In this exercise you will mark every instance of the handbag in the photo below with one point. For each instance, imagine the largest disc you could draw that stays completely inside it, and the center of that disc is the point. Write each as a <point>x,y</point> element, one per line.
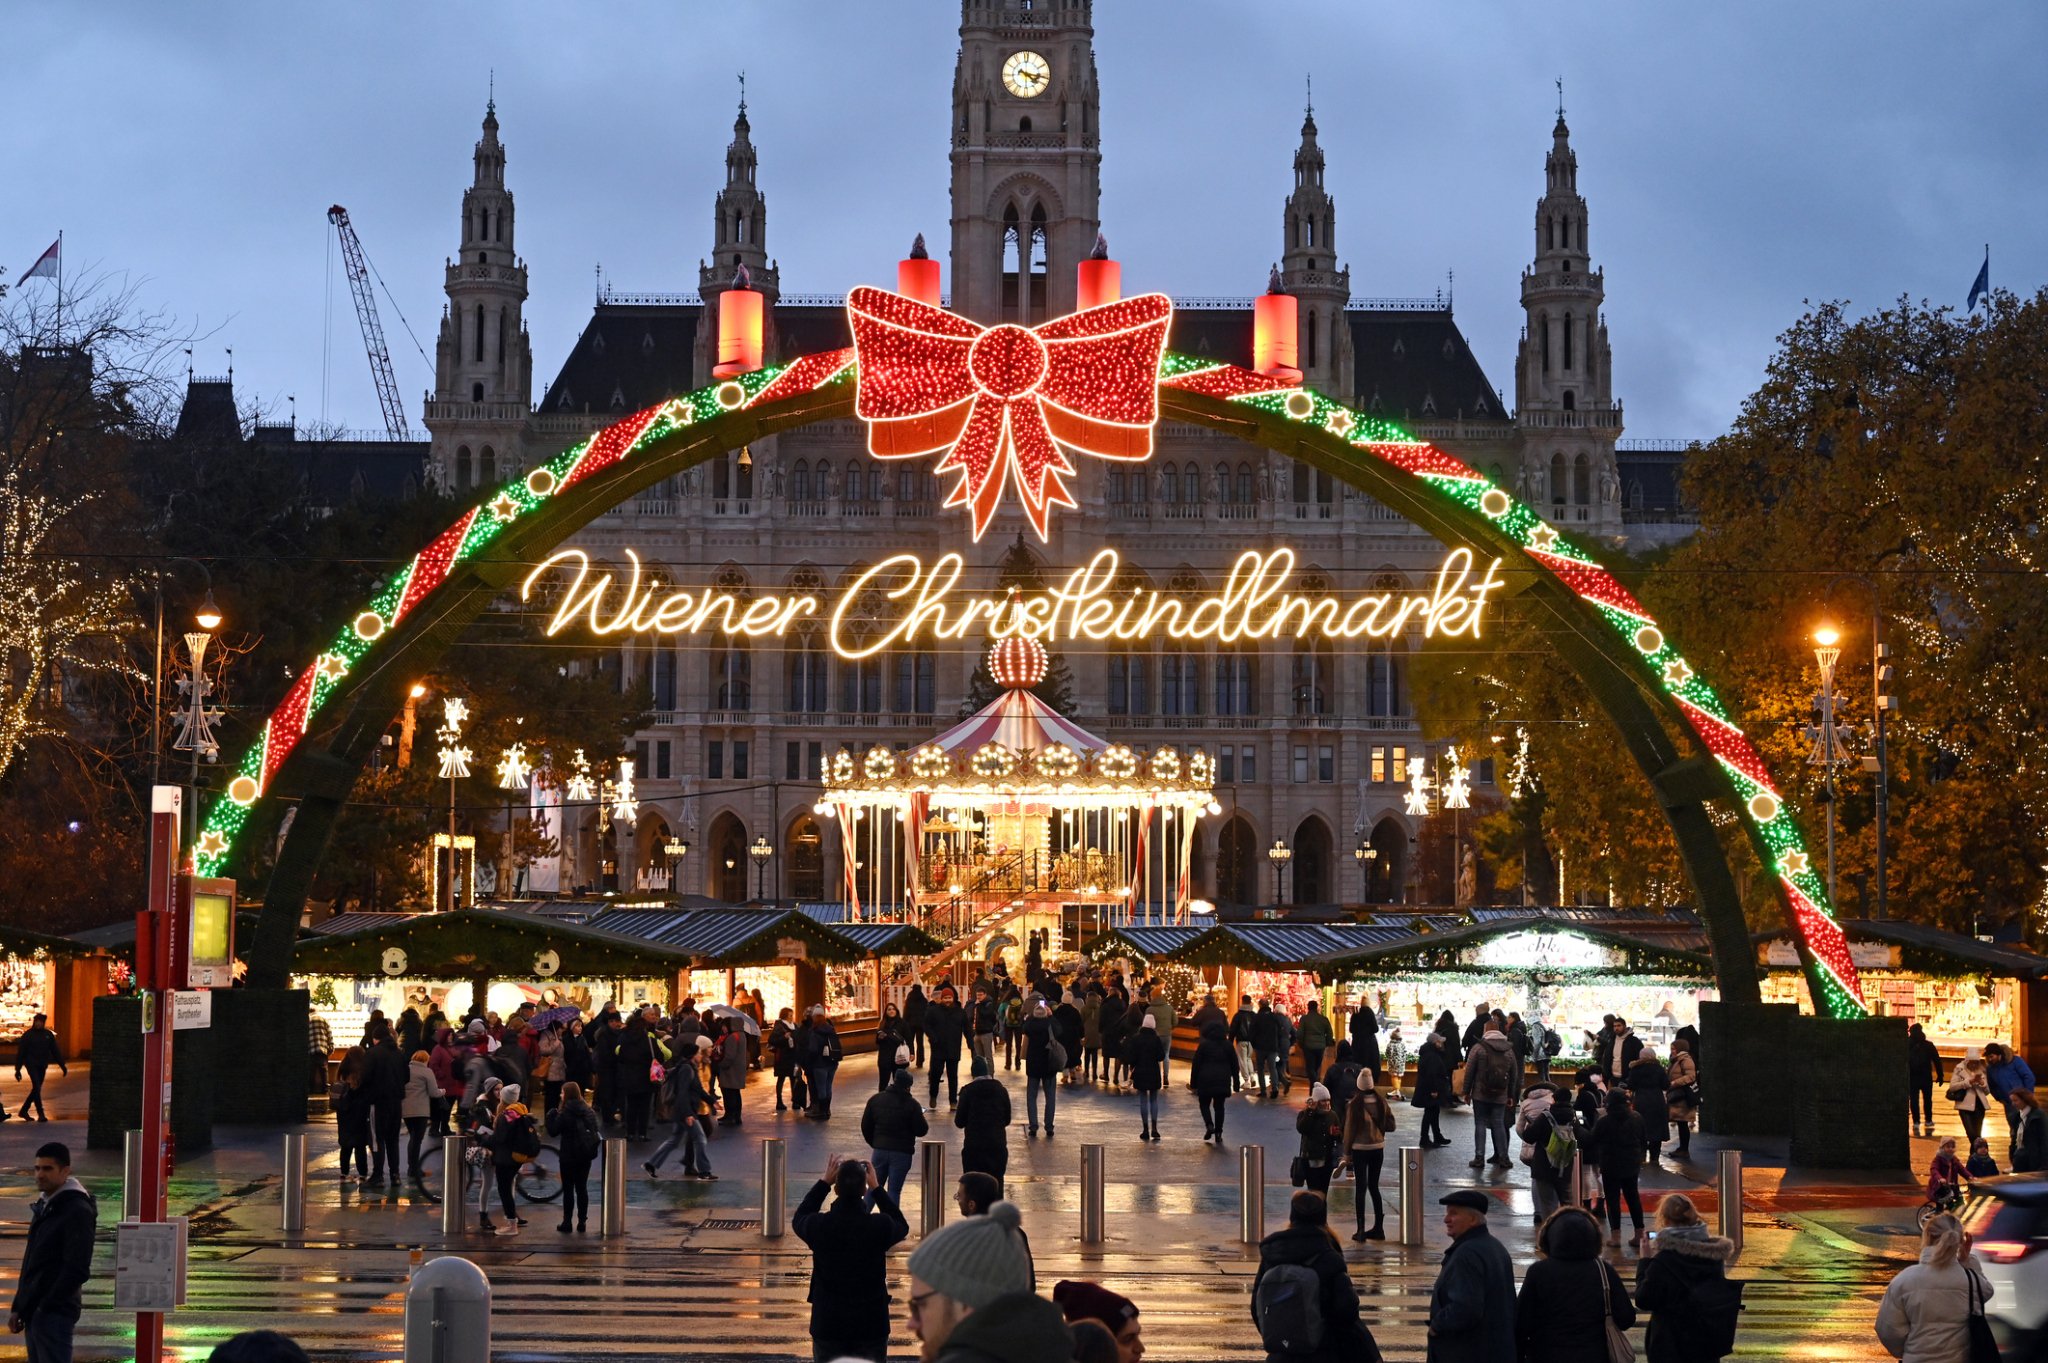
<point>1619,1348</point>
<point>1297,1172</point>
<point>1983,1344</point>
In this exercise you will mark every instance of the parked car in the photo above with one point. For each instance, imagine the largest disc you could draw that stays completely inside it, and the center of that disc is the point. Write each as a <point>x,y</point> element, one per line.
<point>2007,1219</point>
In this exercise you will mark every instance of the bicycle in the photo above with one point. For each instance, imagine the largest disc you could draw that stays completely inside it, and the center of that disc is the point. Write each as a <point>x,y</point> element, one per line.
<point>1948,1199</point>
<point>538,1180</point>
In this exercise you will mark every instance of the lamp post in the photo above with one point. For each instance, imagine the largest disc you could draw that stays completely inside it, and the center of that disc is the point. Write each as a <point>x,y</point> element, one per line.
<point>1366,854</point>
<point>195,723</point>
<point>454,767</point>
<point>515,773</point>
<point>761,851</point>
<point>208,618</point>
<point>675,849</point>
<point>1279,854</point>
<point>1829,752</point>
<point>1457,788</point>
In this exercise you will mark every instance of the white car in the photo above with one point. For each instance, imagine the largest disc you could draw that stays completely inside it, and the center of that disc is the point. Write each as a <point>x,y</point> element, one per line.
<point>2007,1220</point>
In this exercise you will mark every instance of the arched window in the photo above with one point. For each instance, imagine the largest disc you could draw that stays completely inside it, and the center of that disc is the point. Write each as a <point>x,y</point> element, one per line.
<point>1571,401</point>
<point>1558,491</point>
<point>914,685</point>
<point>504,331</point>
<point>822,485</point>
<point>721,478</point>
<point>1237,680</point>
<point>743,480</point>
<point>732,673</point>
<point>1247,487</point>
<point>1169,485</point>
<point>1383,669</point>
<point>1303,483</point>
<point>800,481</point>
<point>1130,682</point>
<point>1180,685</point>
<point>1191,483</point>
<point>806,692</point>
<point>1550,234</point>
<point>1315,678</point>
<point>1024,124</point>
<point>487,468</point>
<point>1582,481</point>
<point>1224,491</point>
<point>856,489</point>
<point>462,483</point>
<point>877,479</point>
<point>860,683</point>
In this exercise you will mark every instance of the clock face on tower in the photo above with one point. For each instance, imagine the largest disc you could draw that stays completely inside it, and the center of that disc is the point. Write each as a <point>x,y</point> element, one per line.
<point>1027,74</point>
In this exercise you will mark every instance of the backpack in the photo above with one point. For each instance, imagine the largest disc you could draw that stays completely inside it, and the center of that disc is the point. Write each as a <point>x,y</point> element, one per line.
<point>502,1067</point>
<point>1491,1085</point>
<point>584,1137</point>
<point>1560,1147</point>
<point>1288,1308</point>
<point>1552,1043</point>
<point>1716,1308</point>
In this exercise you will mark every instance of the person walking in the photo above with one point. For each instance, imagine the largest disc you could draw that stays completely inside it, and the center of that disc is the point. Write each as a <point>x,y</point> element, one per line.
<point>579,1136</point>
<point>634,1061</point>
<point>35,1050</point>
<point>821,1063</point>
<point>983,1116</point>
<point>1925,1314</point>
<point>850,1246</point>
<point>2006,1073</point>
<point>1682,1096</point>
<point>1069,1030</point>
<point>1570,1295</point>
<point>1368,1117</point>
<point>1302,1263</point>
<point>1923,1062</point>
<point>1266,1047</point>
<point>888,1041</point>
<point>1647,1085</point>
<point>891,1124</point>
<point>1552,1136</point>
<point>2029,1135</point>
<point>984,1024</point>
<point>1969,1088</point>
<point>1241,1040</point>
<point>689,1105</point>
<point>385,1074</point>
<point>1617,1145</point>
<point>945,1026</point>
<point>1683,1284</point>
<point>56,1261</point>
<point>729,1063</point>
<point>1109,1025</point>
<point>1212,1075</point>
<point>417,1108</point>
<point>1316,1038</point>
<point>914,1007</point>
<point>1493,1083</point>
<point>1472,1304</point>
<point>1091,1034</point>
<point>1365,1038</point>
<point>1041,1071</point>
<point>1432,1087</point>
<point>1314,1160</point>
<point>1148,1074</point>
<point>971,1297</point>
<point>349,1101</point>
<point>782,1059</point>
<point>1159,1008</point>
<point>1283,1050</point>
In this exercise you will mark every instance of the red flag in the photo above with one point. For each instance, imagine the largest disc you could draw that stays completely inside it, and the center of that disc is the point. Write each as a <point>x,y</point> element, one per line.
<point>47,263</point>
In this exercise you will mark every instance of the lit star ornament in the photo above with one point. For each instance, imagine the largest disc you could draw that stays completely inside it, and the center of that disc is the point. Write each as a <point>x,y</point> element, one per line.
<point>455,711</point>
<point>212,843</point>
<point>1006,403</point>
<point>1796,863</point>
<point>1418,786</point>
<point>332,666</point>
<point>504,507</point>
<point>1676,673</point>
<point>1543,537</point>
<point>455,762</point>
<point>515,769</point>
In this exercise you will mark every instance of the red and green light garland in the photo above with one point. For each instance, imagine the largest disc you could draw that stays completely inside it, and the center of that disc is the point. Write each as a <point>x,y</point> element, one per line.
<point>1763,806</point>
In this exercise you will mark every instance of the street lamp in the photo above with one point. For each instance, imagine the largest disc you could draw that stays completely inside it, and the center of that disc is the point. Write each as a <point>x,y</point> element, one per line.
<point>675,849</point>
<point>760,852</point>
<point>1829,752</point>
<point>1367,854</point>
<point>515,774</point>
<point>1279,854</point>
<point>454,767</point>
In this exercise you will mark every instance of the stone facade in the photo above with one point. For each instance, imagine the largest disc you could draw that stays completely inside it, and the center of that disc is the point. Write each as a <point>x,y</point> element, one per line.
<point>1310,743</point>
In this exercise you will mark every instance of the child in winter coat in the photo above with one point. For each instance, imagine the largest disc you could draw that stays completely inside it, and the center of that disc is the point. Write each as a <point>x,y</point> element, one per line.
<point>1981,1164</point>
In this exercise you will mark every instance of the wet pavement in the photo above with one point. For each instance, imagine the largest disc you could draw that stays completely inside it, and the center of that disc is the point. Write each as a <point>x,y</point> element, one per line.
<point>694,1279</point>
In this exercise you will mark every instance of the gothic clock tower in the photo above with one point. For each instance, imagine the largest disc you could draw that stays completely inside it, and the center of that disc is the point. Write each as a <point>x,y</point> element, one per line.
<point>1027,157</point>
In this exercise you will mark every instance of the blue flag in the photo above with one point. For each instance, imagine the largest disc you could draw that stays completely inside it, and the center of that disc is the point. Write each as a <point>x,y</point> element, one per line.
<point>1982,286</point>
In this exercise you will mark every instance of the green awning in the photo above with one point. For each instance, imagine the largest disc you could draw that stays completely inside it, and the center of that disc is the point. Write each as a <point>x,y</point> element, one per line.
<point>494,943</point>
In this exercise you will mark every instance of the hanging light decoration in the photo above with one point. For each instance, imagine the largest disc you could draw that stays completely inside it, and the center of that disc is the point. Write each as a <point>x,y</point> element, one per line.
<point>1458,785</point>
<point>625,804</point>
<point>455,758</point>
<point>580,786</point>
<point>515,768</point>
<point>1418,787</point>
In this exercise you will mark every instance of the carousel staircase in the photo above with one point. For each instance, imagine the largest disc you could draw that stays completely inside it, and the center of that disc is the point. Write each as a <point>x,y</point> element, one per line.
<point>992,898</point>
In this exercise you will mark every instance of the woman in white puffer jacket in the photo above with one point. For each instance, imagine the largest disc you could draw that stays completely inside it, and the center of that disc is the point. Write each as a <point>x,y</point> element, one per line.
<point>1926,1310</point>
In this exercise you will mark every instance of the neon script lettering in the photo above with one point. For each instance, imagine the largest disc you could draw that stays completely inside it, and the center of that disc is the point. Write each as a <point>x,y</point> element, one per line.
<point>927,604</point>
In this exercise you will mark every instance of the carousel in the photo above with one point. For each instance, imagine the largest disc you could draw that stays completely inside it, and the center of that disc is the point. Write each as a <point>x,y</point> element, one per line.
<point>1017,822</point>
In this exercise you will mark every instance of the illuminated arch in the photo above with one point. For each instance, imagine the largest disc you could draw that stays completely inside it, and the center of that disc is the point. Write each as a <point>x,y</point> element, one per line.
<point>328,724</point>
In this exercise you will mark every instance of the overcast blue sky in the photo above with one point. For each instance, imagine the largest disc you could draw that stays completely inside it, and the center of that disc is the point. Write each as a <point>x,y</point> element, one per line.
<point>1738,157</point>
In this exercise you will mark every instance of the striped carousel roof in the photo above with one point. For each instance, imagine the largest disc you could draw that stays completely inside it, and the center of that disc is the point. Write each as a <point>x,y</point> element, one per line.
<point>1021,722</point>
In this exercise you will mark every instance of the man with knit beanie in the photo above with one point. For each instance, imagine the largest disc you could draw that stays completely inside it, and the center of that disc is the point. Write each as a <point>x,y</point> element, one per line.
<point>971,1298</point>
<point>1080,1301</point>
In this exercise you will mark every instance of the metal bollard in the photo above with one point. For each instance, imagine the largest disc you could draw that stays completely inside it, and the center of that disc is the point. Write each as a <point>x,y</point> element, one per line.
<point>1730,1194</point>
<point>454,1211</point>
<point>1251,1194</point>
<point>931,1185</point>
<point>774,1187</point>
<point>611,1219</point>
<point>1091,1194</point>
<point>1411,1196</point>
<point>131,1176</point>
<point>448,1313</point>
<point>292,1214</point>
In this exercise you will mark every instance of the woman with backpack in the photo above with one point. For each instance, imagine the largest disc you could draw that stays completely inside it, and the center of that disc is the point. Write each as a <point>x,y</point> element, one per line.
<point>513,1142</point>
<point>1570,1295</point>
<point>1546,1125</point>
<point>1368,1117</point>
<point>1303,1300</point>
<point>1683,1284</point>
<point>574,1125</point>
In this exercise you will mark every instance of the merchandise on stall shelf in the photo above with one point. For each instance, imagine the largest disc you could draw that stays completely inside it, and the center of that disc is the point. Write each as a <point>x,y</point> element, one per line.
<point>24,992</point>
<point>1955,1011</point>
<point>347,1003</point>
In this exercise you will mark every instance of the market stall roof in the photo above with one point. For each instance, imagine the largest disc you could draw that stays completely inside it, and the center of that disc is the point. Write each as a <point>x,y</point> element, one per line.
<point>1922,948</point>
<point>119,937</point>
<point>1446,950</point>
<point>489,942</point>
<point>732,936</point>
<point>21,942</point>
<point>890,939</point>
<point>1147,942</point>
<point>1280,945</point>
<point>1680,928</point>
<point>341,924</point>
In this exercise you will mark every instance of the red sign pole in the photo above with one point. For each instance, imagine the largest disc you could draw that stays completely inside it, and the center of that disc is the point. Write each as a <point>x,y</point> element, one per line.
<point>155,940</point>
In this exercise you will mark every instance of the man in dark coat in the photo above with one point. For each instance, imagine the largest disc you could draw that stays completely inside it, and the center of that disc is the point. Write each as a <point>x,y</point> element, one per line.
<point>1306,1242</point>
<point>1241,1041</point>
<point>1109,1025</point>
<point>944,1024</point>
<point>1476,1028</point>
<point>915,1006</point>
<point>822,1054</point>
<point>57,1259</point>
<point>1472,1305</point>
<point>35,1052</point>
<point>1266,1046</point>
<point>983,1116</point>
<point>1212,1075</point>
<point>891,1124</point>
<point>850,1246</point>
<point>1365,1039</point>
<point>384,1081</point>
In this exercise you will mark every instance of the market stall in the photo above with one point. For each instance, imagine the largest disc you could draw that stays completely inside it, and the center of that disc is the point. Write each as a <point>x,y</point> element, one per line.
<point>893,949</point>
<point>787,955</point>
<point>51,975</point>
<point>457,960</point>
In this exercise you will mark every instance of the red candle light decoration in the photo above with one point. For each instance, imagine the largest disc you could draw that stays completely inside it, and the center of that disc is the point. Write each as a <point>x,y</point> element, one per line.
<point>1101,279</point>
<point>740,328</point>
<point>917,274</point>
<point>1276,333</point>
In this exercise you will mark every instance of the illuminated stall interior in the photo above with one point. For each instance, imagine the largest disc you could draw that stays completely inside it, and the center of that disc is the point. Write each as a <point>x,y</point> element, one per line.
<point>794,960</point>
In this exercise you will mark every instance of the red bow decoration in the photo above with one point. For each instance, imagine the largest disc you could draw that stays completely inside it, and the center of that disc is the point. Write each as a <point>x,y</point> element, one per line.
<point>1003,401</point>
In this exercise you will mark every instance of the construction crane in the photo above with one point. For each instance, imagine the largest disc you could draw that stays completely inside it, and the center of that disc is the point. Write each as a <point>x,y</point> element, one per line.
<point>358,270</point>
